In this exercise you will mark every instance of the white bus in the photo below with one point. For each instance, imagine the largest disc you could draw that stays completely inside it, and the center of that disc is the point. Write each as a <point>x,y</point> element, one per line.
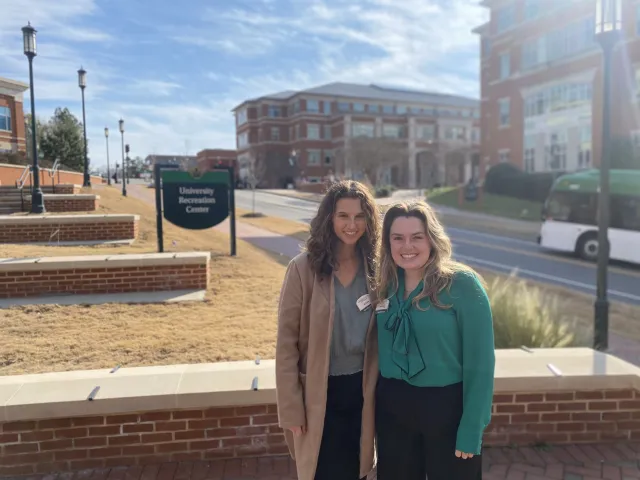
<point>570,215</point>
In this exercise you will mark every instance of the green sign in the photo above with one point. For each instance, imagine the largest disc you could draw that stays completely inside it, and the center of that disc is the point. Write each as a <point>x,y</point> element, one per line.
<point>195,202</point>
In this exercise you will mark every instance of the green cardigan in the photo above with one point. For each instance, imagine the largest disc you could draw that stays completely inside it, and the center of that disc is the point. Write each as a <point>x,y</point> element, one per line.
<point>440,347</point>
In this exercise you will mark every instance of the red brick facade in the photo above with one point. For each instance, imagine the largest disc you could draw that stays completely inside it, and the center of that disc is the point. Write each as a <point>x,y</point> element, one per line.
<point>59,231</point>
<point>74,279</point>
<point>500,142</point>
<point>10,174</point>
<point>12,140</point>
<point>56,203</point>
<point>141,438</point>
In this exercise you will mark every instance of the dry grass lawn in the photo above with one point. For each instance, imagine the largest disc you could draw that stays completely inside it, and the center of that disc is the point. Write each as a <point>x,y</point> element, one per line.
<point>237,321</point>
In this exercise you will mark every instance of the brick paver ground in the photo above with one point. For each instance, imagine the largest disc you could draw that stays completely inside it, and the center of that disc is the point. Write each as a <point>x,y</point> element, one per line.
<point>619,461</point>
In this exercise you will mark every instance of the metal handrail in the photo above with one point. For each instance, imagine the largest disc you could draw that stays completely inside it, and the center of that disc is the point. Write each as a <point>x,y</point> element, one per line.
<point>23,177</point>
<point>52,173</point>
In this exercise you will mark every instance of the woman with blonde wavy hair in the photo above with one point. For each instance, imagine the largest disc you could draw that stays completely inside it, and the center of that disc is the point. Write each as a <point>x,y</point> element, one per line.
<point>436,353</point>
<point>326,351</point>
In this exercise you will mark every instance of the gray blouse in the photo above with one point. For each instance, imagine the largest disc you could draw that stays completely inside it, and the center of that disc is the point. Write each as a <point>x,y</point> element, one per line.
<point>350,327</point>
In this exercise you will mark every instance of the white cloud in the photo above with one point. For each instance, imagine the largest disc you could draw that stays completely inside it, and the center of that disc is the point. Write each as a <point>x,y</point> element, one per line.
<point>156,87</point>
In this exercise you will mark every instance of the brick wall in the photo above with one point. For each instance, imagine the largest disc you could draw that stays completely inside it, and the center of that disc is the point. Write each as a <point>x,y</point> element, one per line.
<point>50,445</point>
<point>67,189</point>
<point>64,204</point>
<point>59,231</point>
<point>9,174</point>
<point>565,417</point>
<point>140,438</point>
<point>73,279</point>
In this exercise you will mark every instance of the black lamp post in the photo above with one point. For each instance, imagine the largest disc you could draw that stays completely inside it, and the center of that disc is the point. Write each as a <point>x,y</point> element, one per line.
<point>608,33</point>
<point>29,41</point>
<point>82,83</point>
<point>106,137</point>
<point>124,167</point>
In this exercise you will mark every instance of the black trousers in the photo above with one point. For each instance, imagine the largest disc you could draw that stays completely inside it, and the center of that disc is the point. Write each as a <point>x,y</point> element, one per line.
<point>340,448</point>
<point>416,433</point>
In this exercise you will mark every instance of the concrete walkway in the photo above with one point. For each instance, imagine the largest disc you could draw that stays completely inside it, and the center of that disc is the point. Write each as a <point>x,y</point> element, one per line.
<point>584,462</point>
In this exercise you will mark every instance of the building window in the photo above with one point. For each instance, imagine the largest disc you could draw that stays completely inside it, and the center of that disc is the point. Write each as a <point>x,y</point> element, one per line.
<point>504,156</point>
<point>638,19</point>
<point>584,149</point>
<point>5,119</point>
<point>505,66</point>
<point>556,151</point>
<point>328,157</point>
<point>475,135</point>
<point>637,83</point>
<point>455,133</point>
<point>296,107</point>
<point>505,111</point>
<point>530,153</point>
<point>275,133</point>
<point>374,108</point>
<point>275,111</point>
<point>505,18</point>
<point>393,131</point>
<point>241,116</point>
<point>343,107</point>
<point>401,109</point>
<point>296,132</point>
<point>531,9</point>
<point>243,139</point>
<point>327,133</point>
<point>427,132</point>
<point>313,131</point>
<point>387,109</point>
<point>486,47</point>
<point>314,157</point>
<point>313,106</point>
<point>326,107</point>
<point>558,97</point>
<point>363,130</point>
<point>358,107</point>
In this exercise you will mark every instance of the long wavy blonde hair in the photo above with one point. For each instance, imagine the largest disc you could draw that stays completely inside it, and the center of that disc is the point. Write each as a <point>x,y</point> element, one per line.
<point>439,269</point>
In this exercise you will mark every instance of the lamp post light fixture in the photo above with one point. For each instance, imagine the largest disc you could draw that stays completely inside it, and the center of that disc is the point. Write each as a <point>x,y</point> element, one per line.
<point>106,137</point>
<point>29,42</point>
<point>124,167</point>
<point>608,34</point>
<point>82,83</point>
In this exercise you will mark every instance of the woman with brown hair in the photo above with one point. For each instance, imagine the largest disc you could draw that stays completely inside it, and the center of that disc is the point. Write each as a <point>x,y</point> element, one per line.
<point>436,353</point>
<point>326,352</point>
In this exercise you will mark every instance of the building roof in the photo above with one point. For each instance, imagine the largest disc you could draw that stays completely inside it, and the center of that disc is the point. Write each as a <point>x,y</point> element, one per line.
<point>375,92</point>
<point>13,85</point>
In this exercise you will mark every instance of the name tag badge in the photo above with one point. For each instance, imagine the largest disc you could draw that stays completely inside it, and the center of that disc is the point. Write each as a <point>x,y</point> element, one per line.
<point>363,302</point>
<point>383,306</point>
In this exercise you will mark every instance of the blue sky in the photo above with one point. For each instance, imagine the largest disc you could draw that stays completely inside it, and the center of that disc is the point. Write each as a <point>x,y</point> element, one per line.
<point>173,70</point>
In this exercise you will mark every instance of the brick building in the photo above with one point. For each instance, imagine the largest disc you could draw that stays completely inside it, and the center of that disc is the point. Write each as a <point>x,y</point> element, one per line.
<point>12,129</point>
<point>211,157</point>
<point>186,161</point>
<point>439,133</point>
<point>541,84</point>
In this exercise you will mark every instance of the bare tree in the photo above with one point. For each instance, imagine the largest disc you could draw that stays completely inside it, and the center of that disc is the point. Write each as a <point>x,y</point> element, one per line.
<point>255,174</point>
<point>370,156</point>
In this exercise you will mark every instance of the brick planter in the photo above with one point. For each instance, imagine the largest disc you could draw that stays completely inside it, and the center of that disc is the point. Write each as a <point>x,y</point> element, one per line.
<point>103,274</point>
<point>152,415</point>
<point>60,203</point>
<point>68,228</point>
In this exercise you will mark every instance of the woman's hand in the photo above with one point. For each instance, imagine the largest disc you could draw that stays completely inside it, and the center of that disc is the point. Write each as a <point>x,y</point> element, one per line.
<point>462,455</point>
<point>297,431</point>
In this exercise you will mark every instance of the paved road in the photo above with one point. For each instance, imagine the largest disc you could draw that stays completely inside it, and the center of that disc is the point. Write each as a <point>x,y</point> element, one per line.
<point>487,251</point>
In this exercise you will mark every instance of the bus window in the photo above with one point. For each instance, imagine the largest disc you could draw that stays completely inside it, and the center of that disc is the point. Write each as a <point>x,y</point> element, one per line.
<point>572,207</point>
<point>625,213</point>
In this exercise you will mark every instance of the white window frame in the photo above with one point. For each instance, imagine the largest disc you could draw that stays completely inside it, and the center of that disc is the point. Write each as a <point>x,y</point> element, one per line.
<point>504,119</point>
<point>275,134</point>
<point>363,129</point>
<point>5,112</point>
<point>313,131</point>
<point>314,157</point>
<point>505,67</point>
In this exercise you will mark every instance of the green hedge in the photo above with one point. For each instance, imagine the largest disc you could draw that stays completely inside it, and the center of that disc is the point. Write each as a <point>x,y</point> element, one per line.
<point>507,179</point>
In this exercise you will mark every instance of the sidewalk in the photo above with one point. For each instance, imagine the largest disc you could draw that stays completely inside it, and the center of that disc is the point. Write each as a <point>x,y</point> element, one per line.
<point>584,462</point>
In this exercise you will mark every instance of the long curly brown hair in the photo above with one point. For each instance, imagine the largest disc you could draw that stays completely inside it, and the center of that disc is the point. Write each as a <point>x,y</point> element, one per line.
<point>322,243</point>
<point>440,268</point>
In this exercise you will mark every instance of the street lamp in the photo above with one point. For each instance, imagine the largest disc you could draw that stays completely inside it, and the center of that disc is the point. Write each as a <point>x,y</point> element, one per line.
<point>124,167</point>
<point>29,41</point>
<point>106,137</point>
<point>82,83</point>
<point>608,34</point>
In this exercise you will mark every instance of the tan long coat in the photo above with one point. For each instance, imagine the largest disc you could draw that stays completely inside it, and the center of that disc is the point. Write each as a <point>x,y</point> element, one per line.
<point>305,324</point>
